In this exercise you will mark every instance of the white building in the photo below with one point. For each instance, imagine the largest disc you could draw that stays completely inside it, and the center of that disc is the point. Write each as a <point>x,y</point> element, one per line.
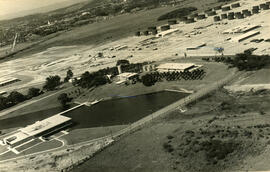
<point>40,128</point>
<point>177,67</point>
<point>126,76</point>
<point>167,32</point>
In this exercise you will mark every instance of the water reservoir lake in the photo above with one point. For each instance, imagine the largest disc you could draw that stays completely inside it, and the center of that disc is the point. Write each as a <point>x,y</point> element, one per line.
<point>119,111</point>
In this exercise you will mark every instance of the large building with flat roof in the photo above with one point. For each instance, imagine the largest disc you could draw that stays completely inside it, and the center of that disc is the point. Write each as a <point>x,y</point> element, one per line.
<point>176,67</point>
<point>40,128</point>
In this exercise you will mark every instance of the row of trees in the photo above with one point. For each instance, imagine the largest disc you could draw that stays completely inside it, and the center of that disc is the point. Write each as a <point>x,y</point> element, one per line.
<point>151,78</point>
<point>244,61</point>
<point>15,97</point>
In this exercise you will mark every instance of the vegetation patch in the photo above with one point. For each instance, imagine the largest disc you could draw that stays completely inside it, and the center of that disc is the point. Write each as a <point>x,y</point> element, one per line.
<point>181,12</point>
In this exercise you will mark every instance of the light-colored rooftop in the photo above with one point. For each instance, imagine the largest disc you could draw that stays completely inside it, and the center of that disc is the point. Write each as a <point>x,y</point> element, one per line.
<point>14,138</point>
<point>44,125</point>
<point>166,32</point>
<point>6,80</point>
<point>245,35</point>
<point>127,75</point>
<point>241,29</point>
<point>175,66</point>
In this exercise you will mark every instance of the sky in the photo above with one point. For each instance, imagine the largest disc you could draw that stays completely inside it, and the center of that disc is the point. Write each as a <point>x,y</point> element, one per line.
<point>11,7</point>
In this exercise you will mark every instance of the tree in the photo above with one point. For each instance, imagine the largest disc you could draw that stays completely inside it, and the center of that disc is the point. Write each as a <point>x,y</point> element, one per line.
<point>33,92</point>
<point>148,80</point>
<point>16,97</point>
<point>4,103</point>
<point>69,75</point>
<point>64,99</point>
<point>52,82</point>
<point>122,62</point>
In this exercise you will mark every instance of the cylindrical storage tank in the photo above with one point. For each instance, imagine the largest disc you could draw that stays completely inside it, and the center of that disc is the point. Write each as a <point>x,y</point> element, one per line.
<point>248,13</point>
<point>138,33</point>
<point>165,27</point>
<point>245,11</point>
<point>255,11</point>
<point>227,8</point>
<point>256,7</point>
<point>240,16</point>
<point>212,13</point>
<point>261,5</point>
<point>224,16</point>
<point>172,22</point>
<point>235,5</point>
<point>216,18</point>
<point>146,33</point>
<point>231,16</point>
<point>217,7</point>
<point>265,7</point>
<point>201,16</point>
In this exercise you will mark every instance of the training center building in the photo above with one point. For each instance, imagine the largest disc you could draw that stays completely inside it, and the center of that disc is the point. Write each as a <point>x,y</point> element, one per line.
<point>177,67</point>
<point>38,129</point>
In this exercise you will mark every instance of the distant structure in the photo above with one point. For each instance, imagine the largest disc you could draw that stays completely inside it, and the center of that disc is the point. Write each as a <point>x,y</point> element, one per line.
<point>126,77</point>
<point>167,32</point>
<point>177,67</point>
<point>245,36</point>
<point>241,29</point>
<point>38,129</point>
<point>6,81</point>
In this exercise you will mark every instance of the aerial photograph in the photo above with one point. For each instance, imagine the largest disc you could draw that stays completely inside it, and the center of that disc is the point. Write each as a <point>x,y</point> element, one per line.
<point>134,85</point>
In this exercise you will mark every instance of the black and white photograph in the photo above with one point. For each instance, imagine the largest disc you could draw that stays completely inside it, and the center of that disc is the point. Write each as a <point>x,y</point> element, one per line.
<point>134,85</point>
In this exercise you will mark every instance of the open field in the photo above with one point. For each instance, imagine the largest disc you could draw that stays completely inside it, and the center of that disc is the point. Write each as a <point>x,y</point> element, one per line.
<point>207,120</point>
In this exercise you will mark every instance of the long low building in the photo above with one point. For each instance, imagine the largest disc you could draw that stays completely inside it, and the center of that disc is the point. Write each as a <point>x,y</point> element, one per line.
<point>40,128</point>
<point>167,32</point>
<point>6,81</point>
<point>245,36</point>
<point>241,29</point>
<point>176,67</point>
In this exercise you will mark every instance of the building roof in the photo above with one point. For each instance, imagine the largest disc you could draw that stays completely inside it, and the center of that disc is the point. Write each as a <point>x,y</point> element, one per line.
<point>14,138</point>
<point>245,35</point>
<point>175,66</point>
<point>127,74</point>
<point>163,33</point>
<point>6,80</point>
<point>241,29</point>
<point>41,126</point>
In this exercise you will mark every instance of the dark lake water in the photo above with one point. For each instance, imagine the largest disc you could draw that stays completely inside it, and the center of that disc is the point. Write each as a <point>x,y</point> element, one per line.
<point>106,113</point>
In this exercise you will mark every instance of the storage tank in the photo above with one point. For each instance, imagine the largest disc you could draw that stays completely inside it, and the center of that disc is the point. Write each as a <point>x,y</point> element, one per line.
<point>255,11</point>
<point>154,32</point>
<point>240,16</point>
<point>216,18</point>
<point>227,8</point>
<point>217,7</point>
<point>248,13</point>
<point>265,7</point>
<point>231,16</point>
<point>224,16</point>
<point>201,16</point>
<point>256,7</point>
<point>236,5</point>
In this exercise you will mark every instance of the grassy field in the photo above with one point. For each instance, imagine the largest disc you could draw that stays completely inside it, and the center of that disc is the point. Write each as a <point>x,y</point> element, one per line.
<point>186,142</point>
